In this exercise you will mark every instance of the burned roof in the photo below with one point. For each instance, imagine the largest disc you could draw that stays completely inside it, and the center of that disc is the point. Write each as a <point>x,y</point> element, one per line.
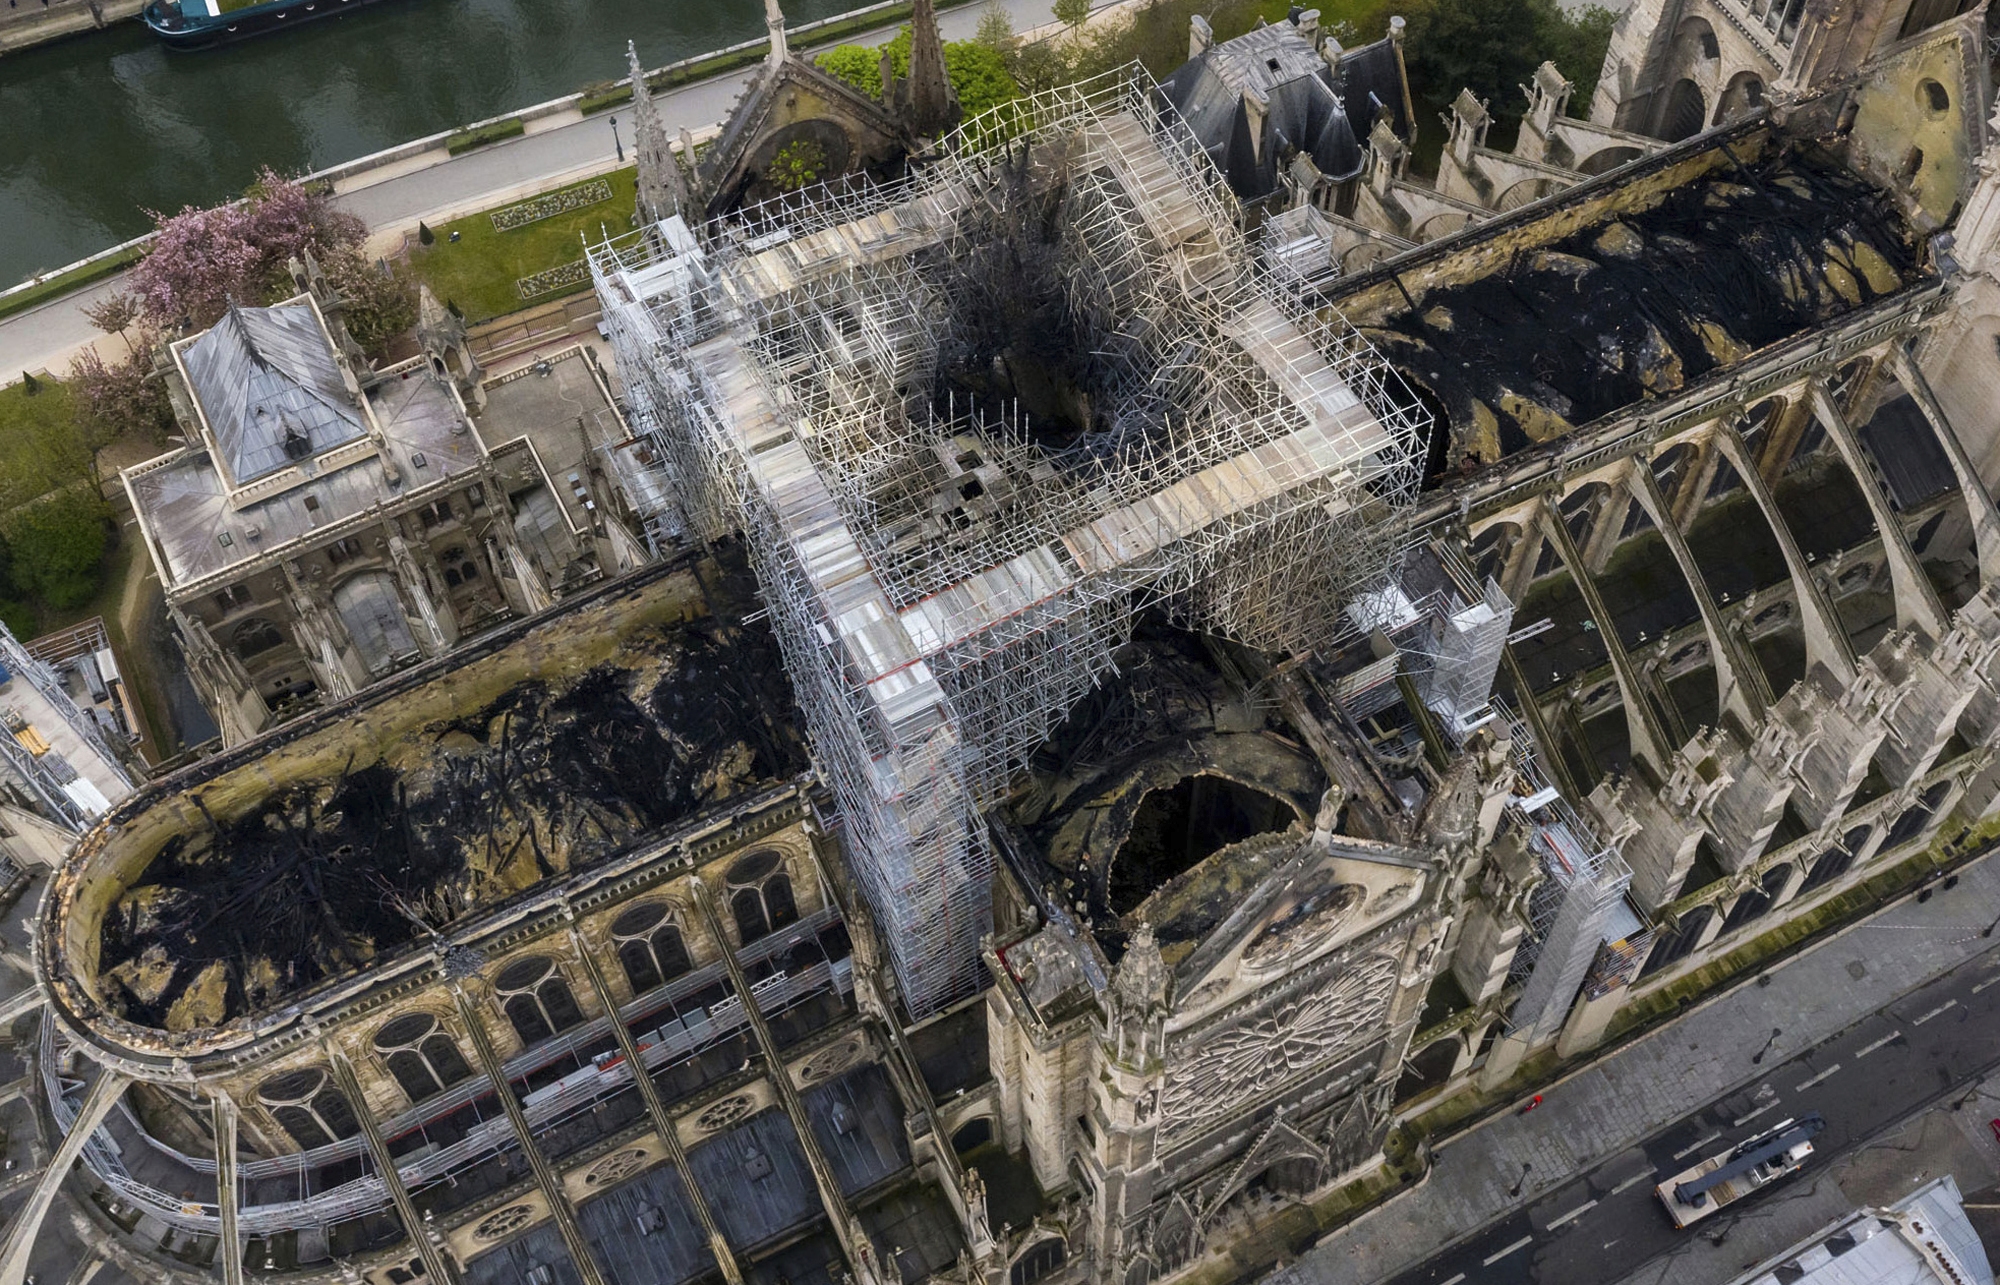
<point>1164,767</point>
<point>270,389</point>
<point>1527,329</point>
<point>579,739</point>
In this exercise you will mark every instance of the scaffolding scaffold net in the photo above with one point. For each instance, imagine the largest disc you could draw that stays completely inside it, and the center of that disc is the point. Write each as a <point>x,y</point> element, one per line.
<point>968,423</point>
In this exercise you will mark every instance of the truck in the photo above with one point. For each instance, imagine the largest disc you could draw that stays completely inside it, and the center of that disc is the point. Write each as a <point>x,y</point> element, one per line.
<point>1726,1177</point>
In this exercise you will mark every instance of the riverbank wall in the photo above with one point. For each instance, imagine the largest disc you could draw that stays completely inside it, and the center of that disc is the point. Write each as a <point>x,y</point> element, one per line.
<point>25,25</point>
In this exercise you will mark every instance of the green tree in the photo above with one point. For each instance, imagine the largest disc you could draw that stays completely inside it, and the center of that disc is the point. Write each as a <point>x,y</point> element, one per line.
<point>978,72</point>
<point>996,28</point>
<point>57,546</point>
<point>1072,13</point>
<point>979,76</point>
<point>859,65</point>
<point>19,618</point>
<point>1494,46</point>
<point>1576,45</point>
<point>41,448</point>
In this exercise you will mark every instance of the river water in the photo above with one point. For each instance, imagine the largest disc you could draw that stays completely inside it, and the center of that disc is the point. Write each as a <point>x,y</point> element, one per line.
<point>96,130</point>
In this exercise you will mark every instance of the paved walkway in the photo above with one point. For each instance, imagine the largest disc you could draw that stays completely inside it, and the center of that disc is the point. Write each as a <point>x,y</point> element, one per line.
<point>49,337</point>
<point>1653,1082</point>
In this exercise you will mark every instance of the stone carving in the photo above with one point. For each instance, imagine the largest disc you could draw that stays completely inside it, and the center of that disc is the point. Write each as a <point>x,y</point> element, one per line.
<point>830,1061</point>
<point>1217,1071</point>
<point>615,1168</point>
<point>502,1223</point>
<point>1304,920</point>
<point>722,1114</point>
<point>979,1230</point>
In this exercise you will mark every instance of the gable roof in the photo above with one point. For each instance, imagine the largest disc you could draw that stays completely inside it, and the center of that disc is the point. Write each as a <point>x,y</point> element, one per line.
<point>745,126</point>
<point>1306,110</point>
<point>268,385</point>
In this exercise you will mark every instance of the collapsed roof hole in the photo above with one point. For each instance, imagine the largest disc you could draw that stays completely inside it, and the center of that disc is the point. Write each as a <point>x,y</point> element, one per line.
<point>1437,446</point>
<point>1176,828</point>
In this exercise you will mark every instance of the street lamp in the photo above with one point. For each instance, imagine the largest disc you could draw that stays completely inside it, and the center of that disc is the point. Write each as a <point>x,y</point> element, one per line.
<point>616,141</point>
<point>1515,1190</point>
<point>1759,1055</point>
<point>1987,931</point>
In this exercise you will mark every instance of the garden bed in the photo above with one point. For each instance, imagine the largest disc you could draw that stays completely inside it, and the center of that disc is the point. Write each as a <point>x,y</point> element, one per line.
<point>482,273</point>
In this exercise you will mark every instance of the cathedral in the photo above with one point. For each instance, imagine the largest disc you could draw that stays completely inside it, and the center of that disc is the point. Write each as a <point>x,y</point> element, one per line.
<point>1138,658</point>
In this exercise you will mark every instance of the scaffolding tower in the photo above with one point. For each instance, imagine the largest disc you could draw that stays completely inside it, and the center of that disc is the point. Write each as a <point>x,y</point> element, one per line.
<point>944,582</point>
<point>1438,626</point>
<point>1578,908</point>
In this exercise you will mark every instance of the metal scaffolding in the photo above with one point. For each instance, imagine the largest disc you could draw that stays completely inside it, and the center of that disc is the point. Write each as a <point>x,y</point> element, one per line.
<point>945,582</point>
<point>1445,633</point>
<point>1574,911</point>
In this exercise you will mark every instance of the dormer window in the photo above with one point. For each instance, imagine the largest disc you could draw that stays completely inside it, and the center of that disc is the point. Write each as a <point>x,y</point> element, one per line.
<point>224,539</point>
<point>297,445</point>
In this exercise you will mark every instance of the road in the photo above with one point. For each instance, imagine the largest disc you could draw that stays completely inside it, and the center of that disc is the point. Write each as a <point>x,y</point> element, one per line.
<point>49,337</point>
<point>1931,1043</point>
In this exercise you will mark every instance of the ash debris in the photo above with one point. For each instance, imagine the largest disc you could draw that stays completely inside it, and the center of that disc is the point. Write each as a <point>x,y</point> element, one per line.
<point>1163,766</point>
<point>1642,305</point>
<point>554,774</point>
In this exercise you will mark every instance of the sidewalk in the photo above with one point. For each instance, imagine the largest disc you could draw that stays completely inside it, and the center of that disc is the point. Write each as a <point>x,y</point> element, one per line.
<point>1654,1081</point>
<point>27,23</point>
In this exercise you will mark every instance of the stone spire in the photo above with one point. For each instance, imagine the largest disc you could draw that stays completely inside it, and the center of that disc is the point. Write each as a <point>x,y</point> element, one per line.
<point>930,104</point>
<point>662,191</point>
<point>774,18</point>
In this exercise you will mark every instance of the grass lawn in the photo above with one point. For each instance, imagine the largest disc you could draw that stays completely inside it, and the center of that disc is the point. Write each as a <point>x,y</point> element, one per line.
<point>479,271</point>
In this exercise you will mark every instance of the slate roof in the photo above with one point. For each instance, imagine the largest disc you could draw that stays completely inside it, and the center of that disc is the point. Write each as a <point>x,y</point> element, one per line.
<point>1370,82</point>
<point>1313,110</point>
<point>267,383</point>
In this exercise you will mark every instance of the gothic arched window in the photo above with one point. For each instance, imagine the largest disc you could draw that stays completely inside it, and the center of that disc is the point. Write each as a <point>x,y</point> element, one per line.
<point>307,1107</point>
<point>760,896</point>
<point>536,999</point>
<point>649,946</point>
<point>420,1055</point>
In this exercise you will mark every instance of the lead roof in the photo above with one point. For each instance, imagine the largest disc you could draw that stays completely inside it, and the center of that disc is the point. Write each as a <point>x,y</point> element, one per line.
<point>859,1125</point>
<point>270,389</point>
<point>760,1175</point>
<point>645,1232</point>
